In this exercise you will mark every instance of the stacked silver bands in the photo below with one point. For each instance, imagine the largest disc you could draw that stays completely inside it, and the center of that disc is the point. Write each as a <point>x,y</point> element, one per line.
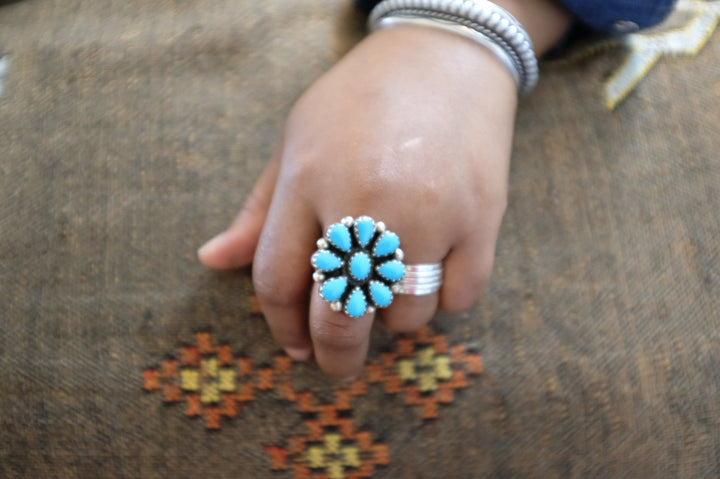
<point>420,279</point>
<point>480,20</point>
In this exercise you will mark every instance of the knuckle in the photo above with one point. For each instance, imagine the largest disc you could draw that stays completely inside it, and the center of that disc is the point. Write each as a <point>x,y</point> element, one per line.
<point>298,169</point>
<point>490,195</point>
<point>494,201</point>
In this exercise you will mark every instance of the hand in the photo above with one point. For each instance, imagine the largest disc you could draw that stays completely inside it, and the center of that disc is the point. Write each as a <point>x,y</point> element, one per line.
<point>414,128</point>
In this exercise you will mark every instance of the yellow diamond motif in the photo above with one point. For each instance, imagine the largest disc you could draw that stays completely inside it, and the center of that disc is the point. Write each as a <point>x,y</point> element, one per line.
<point>332,456</point>
<point>428,382</point>
<point>209,367</point>
<point>316,456</point>
<point>442,367</point>
<point>352,456</point>
<point>425,357</point>
<point>332,443</point>
<point>209,393</point>
<point>227,379</point>
<point>406,369</point>
<point>190,379</point>
<point>426,367</point>
<point>335,470</point>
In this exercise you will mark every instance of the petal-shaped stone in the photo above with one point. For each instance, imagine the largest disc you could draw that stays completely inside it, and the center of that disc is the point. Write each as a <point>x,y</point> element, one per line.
<point>334,288</point>
<point>360,266</point>
<point>364,230</point>
<point>339,235</point>
<point>387,244</point>
<point>356,304</point>
<point>326,261</point>
<point>392,270</point>
<point>380,294</point>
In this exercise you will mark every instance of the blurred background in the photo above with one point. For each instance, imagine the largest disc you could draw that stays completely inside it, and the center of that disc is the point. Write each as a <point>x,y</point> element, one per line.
<point>131,131</point>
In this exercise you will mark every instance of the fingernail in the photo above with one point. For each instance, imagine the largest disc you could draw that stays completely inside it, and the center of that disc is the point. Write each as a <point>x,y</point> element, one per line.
<point>210,246</point>
<point>299,354</point>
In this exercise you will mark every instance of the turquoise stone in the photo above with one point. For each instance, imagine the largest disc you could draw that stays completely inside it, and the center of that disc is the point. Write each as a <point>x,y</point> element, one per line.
<point>387,244</point>
<point>356,304</point>
<point>393,270</point>
<point>339,235</point>
<point>380,294</point>
<point>334,288</point>
<point>326,261</point>
<point>360,266</point>
<point>365,230</point>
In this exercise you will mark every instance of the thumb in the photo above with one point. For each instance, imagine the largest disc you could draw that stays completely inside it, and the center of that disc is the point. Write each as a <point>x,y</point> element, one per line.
<point>235,247</point>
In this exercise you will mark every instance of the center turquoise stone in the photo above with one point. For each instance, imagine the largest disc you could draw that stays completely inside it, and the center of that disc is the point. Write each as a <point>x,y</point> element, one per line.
<point>360,266</point>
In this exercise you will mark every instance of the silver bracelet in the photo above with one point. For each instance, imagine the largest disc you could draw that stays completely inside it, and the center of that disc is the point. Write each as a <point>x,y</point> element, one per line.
<point>480,20</point>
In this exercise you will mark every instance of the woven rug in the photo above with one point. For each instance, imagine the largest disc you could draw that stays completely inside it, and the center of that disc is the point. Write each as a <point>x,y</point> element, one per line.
<point>131,131</point>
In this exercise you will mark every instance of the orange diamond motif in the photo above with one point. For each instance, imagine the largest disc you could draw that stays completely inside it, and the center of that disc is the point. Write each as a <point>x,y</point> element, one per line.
<point>216,384</point>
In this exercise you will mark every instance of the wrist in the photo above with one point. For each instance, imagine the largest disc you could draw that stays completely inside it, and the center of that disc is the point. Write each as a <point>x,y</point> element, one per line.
<point>546,21</point>
<point>445,59</point>
<point>485,23</point>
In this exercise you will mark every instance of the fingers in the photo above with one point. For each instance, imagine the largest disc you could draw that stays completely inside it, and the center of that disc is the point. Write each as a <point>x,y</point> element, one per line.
<point>467,268</point>
<point>408,312</point>
<point>282,273</point>
<point>467,271</point>
<point>340,342</point>
<point>236,246</point>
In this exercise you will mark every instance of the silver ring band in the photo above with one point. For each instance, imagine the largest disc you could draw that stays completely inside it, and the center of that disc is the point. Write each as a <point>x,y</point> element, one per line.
<point>420,279</point>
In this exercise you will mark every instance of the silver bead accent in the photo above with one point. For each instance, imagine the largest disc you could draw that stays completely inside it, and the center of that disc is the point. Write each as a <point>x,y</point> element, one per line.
<point>370,309</point>
<point>322,243</point>
<point>347,221</point>
<point>318,276</point>
<point>336,306</point>
<point>399,254</point>
<point>380,227</point>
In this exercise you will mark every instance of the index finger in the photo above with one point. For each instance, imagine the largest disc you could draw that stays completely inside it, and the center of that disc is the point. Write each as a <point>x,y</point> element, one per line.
<point>282,271</point>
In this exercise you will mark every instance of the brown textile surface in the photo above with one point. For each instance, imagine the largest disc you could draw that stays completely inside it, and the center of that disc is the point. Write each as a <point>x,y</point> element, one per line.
<point>131,131</point>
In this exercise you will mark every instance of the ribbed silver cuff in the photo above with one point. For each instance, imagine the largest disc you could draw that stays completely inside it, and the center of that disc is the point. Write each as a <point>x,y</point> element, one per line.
<point>480,20</point>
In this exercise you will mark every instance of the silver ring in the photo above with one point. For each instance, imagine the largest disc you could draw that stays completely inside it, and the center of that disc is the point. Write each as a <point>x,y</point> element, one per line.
<point>420,279</point>
<point>359,267</point>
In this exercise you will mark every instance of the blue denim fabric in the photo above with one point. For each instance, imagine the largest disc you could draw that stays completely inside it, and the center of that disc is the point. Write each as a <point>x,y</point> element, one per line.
<point>614,15</point>
<point>602,15</point>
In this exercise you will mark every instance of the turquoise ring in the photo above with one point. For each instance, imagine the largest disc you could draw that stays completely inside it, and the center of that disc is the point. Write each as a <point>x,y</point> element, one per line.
<point>359,267</point>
